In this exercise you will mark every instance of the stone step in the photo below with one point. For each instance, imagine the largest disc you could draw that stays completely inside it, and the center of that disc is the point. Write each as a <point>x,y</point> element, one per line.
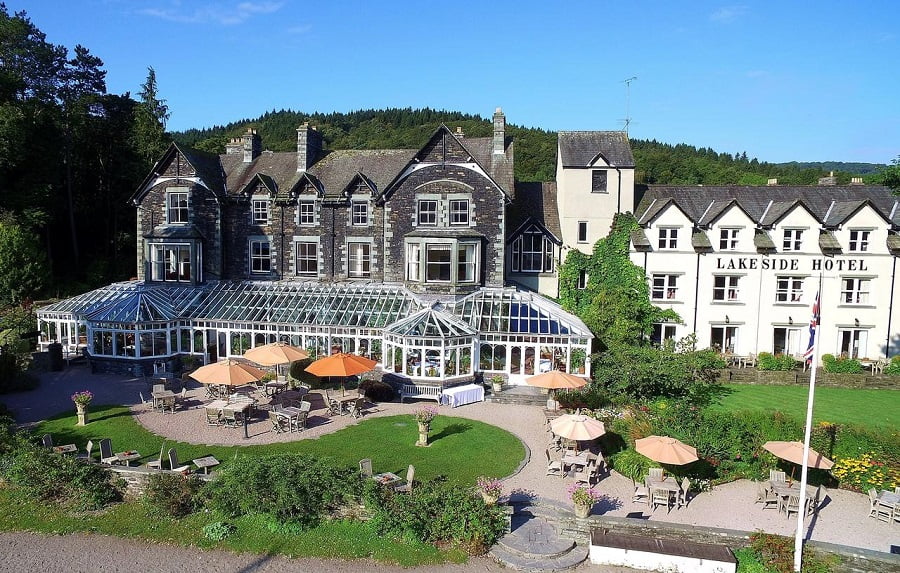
<point>564,562</point>
<point>534,538</point>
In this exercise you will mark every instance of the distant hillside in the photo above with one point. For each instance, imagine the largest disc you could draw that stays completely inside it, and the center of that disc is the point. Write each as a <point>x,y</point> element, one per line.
<point>660,163</point>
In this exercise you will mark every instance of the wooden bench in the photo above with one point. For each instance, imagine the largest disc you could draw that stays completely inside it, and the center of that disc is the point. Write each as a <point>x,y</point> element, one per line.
<point>420,391</point>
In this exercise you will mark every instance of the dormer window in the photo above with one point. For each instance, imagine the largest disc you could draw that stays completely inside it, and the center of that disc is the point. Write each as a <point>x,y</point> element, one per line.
<point>359,216</point>
<point>859,241</point>
<point>728,239</point>
<point>459,211</point>
<point>428,212</point>
<point>177,207</point>
<point>668,238</point>
<point>260,211</point>
<point>307,212</point>
<point>793,239</point>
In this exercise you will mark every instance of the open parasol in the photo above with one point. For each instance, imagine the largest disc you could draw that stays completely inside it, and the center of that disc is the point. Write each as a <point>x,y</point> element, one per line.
<point>577,427</point>
<point>666,450</point>
<point>555,380</point>
<point>793,452</point>
<point>342,364</point>
<point>275,353</point>
<point>227,372</point>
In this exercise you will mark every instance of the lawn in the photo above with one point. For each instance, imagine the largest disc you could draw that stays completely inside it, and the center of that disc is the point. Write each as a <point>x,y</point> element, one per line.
<point>867,408</point>
<point>460,449</point>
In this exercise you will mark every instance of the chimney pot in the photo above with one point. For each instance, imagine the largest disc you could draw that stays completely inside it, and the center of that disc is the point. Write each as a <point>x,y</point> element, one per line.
<point>772,181</point>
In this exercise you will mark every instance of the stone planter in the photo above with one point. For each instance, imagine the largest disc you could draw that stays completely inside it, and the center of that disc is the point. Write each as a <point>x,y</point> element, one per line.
<point>423,434</point>
<point>582,511</point>
<point>497,386</point>
<point>82,412</point>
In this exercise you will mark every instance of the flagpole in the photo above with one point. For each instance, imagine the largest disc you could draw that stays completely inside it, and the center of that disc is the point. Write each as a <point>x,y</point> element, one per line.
<point>801,513</point>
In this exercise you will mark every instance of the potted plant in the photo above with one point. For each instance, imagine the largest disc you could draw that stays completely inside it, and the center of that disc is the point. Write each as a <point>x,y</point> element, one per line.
<point>490,489</point>
<point>497,383</point>
<point>423,417</point>
<point>82,400</point>
<point>583,498</point>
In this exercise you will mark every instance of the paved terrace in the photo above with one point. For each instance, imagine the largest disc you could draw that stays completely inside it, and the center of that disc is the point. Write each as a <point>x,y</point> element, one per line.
<point>843,517</point>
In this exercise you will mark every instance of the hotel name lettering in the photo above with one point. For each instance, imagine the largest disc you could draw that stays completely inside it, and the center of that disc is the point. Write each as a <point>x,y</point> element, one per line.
<point>783,264</point>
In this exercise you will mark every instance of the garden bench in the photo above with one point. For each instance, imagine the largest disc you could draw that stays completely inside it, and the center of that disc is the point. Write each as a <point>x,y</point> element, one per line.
<point>420,391</point>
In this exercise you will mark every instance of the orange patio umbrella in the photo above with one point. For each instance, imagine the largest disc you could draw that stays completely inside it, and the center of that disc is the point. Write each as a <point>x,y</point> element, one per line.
<point>342,364</point>
<point>793,452</point>
<point>666,450</point>
<point>227,372</point>
<point>556,379</point>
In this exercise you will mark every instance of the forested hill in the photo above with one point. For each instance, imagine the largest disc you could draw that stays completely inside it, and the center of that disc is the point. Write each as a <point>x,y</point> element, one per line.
<point>535,148</point>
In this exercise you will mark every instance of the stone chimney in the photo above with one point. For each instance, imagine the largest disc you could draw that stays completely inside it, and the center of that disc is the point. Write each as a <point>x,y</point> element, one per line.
<point>856,181</point>
<point>459,133</point>
<point>830,180</point>
<point>234,146</point>
<point>309,146</point>
<point>772,182</point>
<point>251,145</point>
<point>499,145</point>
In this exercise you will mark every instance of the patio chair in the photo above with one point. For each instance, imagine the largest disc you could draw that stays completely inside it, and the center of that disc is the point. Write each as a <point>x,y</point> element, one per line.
<point>157,464</point>
<point>298,422</point>
<point>407,487</point>
<point>173,462</point>
<point>87,452</point>
<point>812,505</point>
<point>305,406</point>
<point>659,496</point>
<point>766,496</point>
<point>791,505</point>
<point>750,361</point>
<point>897,490</point>
<point>143,400</point>
<point>159,387</point>
<point>878,510</point>
<point>775,475</point>
<point>213,417</point>
<point>181,398</point>
<point>357,406</point>
<point>683,492</point>
<point>588,475</point>
<point>365,467</point>
<point>656,474</point>
<point>106,454</point>
<point>47,440</point>
<point>554,467</point>
<point>280,424</point>
<point>231,418</point>
<point>641,494</point>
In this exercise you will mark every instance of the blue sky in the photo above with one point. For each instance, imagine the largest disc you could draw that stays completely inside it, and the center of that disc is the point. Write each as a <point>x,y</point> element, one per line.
<point>783,81</point>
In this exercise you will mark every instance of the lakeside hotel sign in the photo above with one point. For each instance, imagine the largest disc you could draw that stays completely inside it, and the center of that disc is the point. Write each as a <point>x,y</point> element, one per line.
<point>793,264</point>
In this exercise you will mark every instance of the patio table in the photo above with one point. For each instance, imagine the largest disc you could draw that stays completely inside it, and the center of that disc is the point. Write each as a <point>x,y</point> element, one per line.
<point>205,463</point>
<point>291,413</point>
<point>386,478</point>
<point>572,459</point>
<point>275,387</point>
<point>886,497</point>
<point>163,399</point>
<point>128,456</point>
<point>460,395</point>
<point>669,484</point>
<point>66,449</point>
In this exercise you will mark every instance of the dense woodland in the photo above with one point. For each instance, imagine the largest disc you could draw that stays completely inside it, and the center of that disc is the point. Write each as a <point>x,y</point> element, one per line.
<point>72,154</point>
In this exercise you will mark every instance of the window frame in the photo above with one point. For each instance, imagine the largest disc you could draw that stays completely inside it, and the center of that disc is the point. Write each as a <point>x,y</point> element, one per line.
<point>857,243</point>
<point>459,214</point>
<point>728,333</point>
<point>791,293</point>
<point>160,269</point>
<point>729,290</point>
<point>600,181</point>
<point>664,286</point>
<point>792,240</point>
<point>304,259</point>
<point>857,341</point>
<point>259,257</point>
<point>361,261</point>
<point>359,213</point>
<point>728,238</point>
<point>306,205</point>
<point>667,238</point>
<point>858,288</point>
<point>423,214</point>
<point>255,219</point>
<point>582,232</point>
<point>183,210</point>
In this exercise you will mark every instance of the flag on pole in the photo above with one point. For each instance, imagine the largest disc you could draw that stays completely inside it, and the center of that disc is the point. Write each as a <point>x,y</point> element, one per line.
<point>813,323</point>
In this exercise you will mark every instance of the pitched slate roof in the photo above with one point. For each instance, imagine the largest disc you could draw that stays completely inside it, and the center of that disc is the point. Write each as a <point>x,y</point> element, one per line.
<point>581,148</point>
<point>828,243</point>
<point>767,204</point>
<point>533,202</point>
<point>700,241</point>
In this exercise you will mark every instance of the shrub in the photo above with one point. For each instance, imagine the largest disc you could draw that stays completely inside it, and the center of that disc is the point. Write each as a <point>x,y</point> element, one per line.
<point>592,397</point>
<point>437,512</point>
<point>377,391</point>
<point>173,495</point>
<point>777,553</point>
<point>291,487</point>
<point>893,368</point>
<point>776,362</point>
<point>70,482</point>
<point>631,464</point>
<point>866,471</point>
<point>298,372</point>
<point>835,365</point>
<point>218,530</point>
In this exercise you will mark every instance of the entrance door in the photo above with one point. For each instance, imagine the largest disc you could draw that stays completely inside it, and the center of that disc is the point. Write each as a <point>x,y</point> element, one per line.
<point>515,360</point>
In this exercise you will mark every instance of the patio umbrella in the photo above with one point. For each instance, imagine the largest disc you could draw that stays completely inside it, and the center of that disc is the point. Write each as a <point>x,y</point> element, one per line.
<point>555,379</point>
<point>227,372</point>
<point>342,364</point>
<point>275,354</point>
<point>577,427</point>
<point>793,452</point>
<point>666,450</point>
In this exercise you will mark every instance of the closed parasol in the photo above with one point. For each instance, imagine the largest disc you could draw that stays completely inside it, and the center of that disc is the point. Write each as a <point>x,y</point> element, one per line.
<point>666,450</point>
<point>793,452</point>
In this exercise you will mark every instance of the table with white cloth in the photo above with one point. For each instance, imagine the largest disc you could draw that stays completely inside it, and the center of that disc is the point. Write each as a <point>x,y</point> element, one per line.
<point>459,395</point>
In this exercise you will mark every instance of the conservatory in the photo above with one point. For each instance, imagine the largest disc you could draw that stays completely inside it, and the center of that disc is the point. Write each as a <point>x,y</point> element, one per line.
<point>130,326</point>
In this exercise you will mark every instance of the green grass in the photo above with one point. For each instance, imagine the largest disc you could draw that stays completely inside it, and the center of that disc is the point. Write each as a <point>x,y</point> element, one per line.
<point>460,449</point>
<point>866,408</point>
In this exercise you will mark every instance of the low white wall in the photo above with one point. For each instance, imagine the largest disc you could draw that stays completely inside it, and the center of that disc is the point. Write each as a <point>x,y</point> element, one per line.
<point>648,561</point>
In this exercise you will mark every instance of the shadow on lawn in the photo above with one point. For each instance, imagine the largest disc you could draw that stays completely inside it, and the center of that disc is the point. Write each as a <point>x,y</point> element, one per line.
<point>455,428</point>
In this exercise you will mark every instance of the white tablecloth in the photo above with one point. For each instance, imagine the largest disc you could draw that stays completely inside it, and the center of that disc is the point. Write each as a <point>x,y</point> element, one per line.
<point>460,395</point>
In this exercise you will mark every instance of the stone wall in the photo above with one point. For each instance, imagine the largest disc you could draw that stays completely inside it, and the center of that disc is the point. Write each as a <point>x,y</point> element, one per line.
<point>797,377</point>
<point>136,478</point>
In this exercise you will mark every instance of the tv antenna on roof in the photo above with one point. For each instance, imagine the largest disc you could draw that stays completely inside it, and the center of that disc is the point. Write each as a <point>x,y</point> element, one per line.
<point>627,120</point>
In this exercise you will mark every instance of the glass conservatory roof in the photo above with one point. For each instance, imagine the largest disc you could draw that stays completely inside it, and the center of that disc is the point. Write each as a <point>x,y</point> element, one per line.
<point>431,323</point>
<point>127,302</point>
<point>510,311</point>
<point>308,303</point>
